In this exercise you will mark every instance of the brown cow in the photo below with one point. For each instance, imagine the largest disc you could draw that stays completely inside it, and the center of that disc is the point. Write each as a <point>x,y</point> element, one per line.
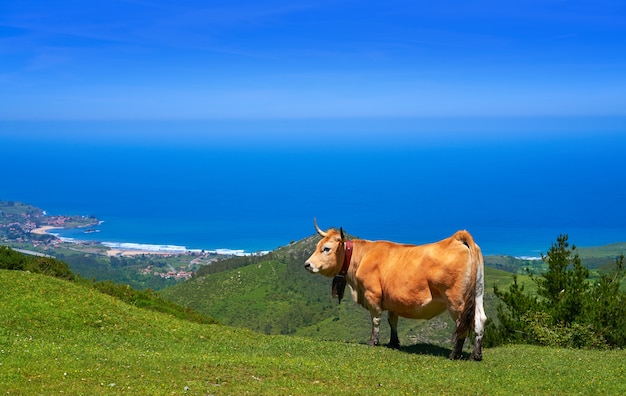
<point>411,281</point>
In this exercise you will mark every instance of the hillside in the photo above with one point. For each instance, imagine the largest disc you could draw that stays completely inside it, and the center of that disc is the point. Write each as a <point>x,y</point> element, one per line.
<point>60,337</point>
<point>274,294</point>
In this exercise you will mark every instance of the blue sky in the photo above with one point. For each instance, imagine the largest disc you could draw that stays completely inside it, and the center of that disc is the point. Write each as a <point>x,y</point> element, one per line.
<point>506,106</point>
<point>195,60</point>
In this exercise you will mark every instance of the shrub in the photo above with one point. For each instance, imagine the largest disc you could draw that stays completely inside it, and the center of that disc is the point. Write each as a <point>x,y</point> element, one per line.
<point>12,260</point>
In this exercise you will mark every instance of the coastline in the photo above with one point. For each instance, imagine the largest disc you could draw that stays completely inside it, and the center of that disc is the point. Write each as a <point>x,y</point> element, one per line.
<point>110,251</point>
<point>135,249</point>
<point>130,253</point>
<point>129,249</point>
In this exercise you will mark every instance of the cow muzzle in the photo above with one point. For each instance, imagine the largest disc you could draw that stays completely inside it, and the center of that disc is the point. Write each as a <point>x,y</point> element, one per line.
<point>309,267</point>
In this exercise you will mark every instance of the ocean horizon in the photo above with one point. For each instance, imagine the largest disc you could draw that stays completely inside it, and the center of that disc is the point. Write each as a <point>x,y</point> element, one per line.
<point>525,243</point>
<point>514,188</point>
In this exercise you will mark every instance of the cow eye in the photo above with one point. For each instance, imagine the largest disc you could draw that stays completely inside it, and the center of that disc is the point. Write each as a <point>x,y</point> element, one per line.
<point>326,249</point>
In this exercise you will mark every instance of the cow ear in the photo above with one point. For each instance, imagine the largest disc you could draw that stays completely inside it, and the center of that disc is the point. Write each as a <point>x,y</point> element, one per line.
<point>343,236</point>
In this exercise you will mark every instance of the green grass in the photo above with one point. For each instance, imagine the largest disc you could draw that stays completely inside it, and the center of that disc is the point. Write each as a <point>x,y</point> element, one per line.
<point>61,337</point>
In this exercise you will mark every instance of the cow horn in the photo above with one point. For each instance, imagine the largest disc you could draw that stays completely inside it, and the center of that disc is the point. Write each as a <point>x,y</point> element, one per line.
<point>319,231</point>
<point>343,236</point>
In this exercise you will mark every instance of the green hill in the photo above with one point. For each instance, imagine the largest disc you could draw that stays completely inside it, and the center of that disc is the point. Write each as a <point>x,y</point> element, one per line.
<point>274,294</point>
<point>57,336</point>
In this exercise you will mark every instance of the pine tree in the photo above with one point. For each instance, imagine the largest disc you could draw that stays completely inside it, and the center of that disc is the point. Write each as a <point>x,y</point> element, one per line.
<point>564,285</point>
<point>568,310</point>
<point>606,306</point>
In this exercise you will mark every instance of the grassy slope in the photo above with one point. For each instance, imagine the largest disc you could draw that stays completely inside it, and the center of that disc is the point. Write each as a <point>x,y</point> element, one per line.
<point>57,336</point>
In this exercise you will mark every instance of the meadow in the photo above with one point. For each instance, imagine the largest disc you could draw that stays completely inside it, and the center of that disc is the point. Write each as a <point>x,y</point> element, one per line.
<point>58,336</point>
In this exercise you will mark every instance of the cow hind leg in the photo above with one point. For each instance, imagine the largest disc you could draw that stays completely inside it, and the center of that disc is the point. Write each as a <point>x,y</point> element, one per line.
<point>394,341</point>
<point>459,334</point>
<point>479,329</point>
<point>457,351</point>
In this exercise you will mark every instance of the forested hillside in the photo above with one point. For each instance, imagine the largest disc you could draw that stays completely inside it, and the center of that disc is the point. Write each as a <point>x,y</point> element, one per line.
<point>272,294</point>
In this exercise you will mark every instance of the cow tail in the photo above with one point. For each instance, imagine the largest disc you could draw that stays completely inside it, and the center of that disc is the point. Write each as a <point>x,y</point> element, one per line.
<point>475,287</point>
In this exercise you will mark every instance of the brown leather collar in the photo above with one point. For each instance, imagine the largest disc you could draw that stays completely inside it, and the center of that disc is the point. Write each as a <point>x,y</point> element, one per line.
<point>346,259</point>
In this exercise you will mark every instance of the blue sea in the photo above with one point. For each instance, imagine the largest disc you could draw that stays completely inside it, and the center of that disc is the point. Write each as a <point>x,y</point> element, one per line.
<point>256,185</point>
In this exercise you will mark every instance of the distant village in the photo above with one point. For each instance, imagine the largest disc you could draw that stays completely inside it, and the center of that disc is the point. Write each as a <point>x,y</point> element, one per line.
<point>22,224</point>
<point>181,274</point>
<point>18,221</point>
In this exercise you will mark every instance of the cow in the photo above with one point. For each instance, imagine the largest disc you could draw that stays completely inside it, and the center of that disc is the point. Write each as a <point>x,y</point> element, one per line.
<point>412,281</point>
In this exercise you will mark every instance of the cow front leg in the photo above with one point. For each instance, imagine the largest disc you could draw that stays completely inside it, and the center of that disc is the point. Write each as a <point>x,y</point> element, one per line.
<point>394,341</point>
<point>374,338</point>
<point>373,304</point>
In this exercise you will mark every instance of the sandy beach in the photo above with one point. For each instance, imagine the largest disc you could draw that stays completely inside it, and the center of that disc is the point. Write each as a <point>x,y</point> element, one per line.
<point>42,230</point>
<point>111,252</point>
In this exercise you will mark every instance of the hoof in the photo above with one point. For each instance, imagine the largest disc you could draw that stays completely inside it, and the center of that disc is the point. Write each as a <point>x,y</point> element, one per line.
<point>476,357</point>
<point>393,345</point>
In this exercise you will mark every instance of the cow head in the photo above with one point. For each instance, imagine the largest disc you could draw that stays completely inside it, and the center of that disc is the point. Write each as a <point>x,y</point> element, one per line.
<point>327,259</point>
